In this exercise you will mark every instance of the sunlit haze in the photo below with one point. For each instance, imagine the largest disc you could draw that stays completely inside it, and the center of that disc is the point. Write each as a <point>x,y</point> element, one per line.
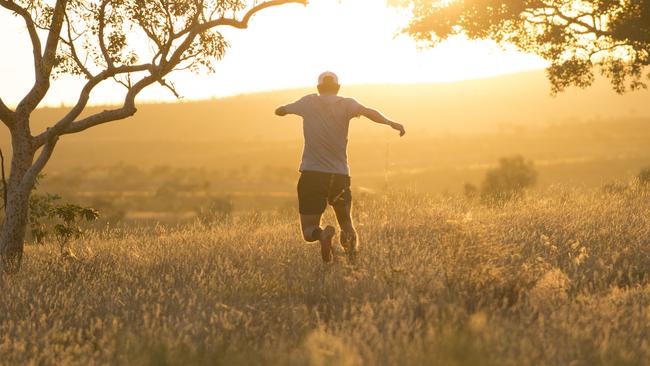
<point>458,205</point>
<point>287,47</point>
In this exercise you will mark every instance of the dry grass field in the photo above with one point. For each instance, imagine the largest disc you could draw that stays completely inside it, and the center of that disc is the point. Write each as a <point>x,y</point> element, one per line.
<point>559,278</point>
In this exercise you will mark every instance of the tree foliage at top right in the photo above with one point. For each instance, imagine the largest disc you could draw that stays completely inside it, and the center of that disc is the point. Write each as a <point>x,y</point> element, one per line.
<point>577,37</point>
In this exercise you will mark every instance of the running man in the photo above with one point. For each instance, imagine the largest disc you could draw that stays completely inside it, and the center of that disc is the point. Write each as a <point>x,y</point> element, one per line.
<point>325,175</point>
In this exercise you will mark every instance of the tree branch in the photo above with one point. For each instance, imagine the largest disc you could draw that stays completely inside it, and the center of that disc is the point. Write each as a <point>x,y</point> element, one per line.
<point>42,76</point>
<point>73,51</point>
<point>163,50</point>
<point>197,28</point>
<point>68,125</point>
<point>169,85</point>
<point>556,11</point>
<point>609,49</point>
<point>5,113</point>
<point>100,35</point>
<point>53,36</point>
<point>576,21</point>
<point>127,110</point>
<point>84,96</point>
<point>241,24</point>
<point>32,173</point>
<point>31,30</point>
<point>109,115</point>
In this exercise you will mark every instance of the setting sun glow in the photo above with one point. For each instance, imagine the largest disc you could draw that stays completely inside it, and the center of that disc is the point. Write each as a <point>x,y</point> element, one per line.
<point>459,204</point>
<point>288,46</point>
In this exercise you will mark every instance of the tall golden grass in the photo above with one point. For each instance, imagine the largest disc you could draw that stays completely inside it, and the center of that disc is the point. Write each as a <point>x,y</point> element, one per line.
<point>559,278</point>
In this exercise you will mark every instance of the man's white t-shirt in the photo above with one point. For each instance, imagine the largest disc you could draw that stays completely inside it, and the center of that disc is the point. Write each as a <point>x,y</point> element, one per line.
<point>326,119</point>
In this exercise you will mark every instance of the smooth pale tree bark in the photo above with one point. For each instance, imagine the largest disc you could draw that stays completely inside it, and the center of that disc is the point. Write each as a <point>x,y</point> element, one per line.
<point>22,177</point>
<point>181,34</point>
<point>12,234</point>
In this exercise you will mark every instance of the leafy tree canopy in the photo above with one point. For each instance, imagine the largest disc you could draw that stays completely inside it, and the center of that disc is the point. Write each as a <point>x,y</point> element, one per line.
<point>132,42</point>
<point>135,43</point>
<point>577,37</point>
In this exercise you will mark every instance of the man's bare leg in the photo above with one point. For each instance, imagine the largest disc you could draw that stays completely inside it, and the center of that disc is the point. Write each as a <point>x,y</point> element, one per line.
<point>349,239</point>
<point>311,232</point>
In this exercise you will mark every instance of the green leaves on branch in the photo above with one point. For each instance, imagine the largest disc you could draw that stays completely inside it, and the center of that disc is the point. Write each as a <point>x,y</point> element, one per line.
<point>100,34</point>
<point>576,37</point>
<point>207,48</point>
<point>49,216</point>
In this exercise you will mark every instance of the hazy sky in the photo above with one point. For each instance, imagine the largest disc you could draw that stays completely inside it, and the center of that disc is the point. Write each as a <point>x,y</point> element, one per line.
<point>288,47</point>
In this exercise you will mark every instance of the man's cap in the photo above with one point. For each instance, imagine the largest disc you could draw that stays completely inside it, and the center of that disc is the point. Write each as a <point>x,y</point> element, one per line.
<point>328,77</point>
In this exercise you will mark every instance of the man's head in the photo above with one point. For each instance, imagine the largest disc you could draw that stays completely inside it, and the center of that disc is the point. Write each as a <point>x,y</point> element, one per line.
<point>328,83</point>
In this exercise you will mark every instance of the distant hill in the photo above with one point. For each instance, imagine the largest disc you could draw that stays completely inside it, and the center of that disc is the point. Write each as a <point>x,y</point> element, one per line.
<point>458,125</point>
<point>458,107</point>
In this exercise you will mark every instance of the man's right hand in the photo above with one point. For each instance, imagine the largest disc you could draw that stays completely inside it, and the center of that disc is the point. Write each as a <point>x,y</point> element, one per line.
<point>281,111</point>
<point>398,127</point>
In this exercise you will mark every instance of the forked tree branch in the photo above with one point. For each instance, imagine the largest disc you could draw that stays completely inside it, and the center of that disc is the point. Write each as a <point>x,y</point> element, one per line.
<point>73,51</point>
<point>150,33</point>
<point>68,125</point>
<point>576,21</point>
<point>84,96</point>
<point>31,30</point>
<point>127,110</point>
<point>571,20</point>
<point>44,70</point>
<point>163,50</point>
<point>197,28</point>
<point>232,22</point>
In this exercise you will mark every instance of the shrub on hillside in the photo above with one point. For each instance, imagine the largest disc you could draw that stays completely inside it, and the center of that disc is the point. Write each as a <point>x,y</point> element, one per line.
<point>509,180</point>
<point>470,191</point>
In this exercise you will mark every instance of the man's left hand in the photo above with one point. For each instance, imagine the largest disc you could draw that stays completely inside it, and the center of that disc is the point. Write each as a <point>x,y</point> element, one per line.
<point>398,127</point>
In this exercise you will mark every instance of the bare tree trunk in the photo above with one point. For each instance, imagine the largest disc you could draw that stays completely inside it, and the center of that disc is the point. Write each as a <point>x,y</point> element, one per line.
<point>12,234</point>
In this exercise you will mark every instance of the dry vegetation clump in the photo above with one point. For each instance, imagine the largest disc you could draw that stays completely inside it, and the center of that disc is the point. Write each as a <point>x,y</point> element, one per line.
<point>559,278</point>
<point>644,177</point>
<point>507,181</point>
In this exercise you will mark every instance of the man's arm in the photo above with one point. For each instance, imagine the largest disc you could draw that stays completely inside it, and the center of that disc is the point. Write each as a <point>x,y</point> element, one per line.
<point>281,111</point>
<point>297,107</point>
<point>377,117</point>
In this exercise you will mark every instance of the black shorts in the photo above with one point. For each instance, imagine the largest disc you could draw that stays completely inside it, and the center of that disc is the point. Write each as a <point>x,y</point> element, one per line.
<point>317,189</point>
